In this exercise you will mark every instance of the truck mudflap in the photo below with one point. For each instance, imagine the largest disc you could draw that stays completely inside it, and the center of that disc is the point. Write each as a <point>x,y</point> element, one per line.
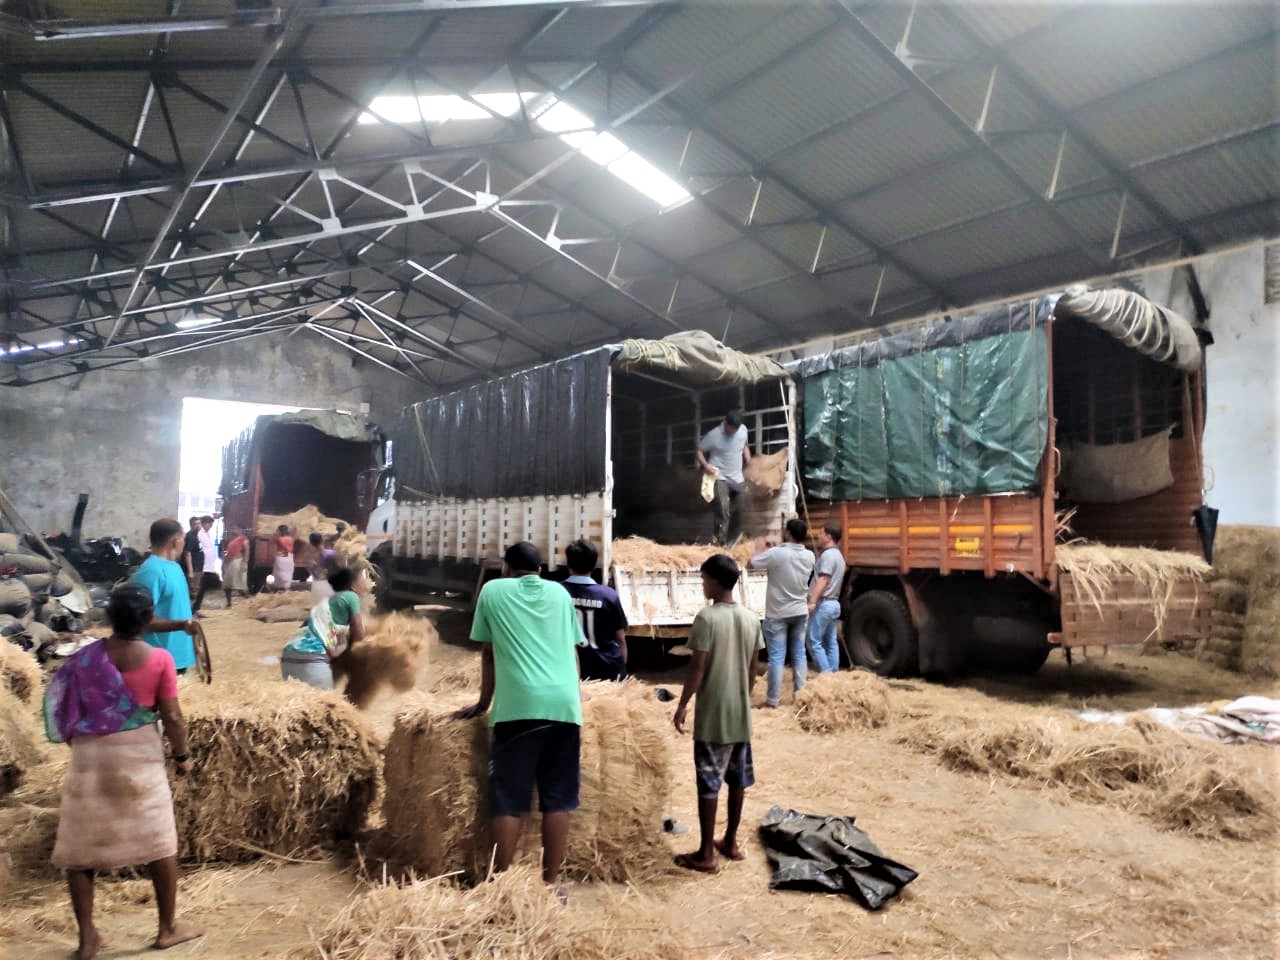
<point>663,603</point>
<point>1124,611</point>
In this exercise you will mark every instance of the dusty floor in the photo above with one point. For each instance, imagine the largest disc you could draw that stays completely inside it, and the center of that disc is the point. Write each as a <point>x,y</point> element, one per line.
<point>1006,870</point>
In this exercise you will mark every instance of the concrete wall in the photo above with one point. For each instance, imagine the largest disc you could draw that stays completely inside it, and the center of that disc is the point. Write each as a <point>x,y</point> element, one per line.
<point>116,434</point>
<point>1242,419</point>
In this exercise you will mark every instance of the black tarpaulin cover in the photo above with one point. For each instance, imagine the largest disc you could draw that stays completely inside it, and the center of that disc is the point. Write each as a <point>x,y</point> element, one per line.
<point>829,855</point>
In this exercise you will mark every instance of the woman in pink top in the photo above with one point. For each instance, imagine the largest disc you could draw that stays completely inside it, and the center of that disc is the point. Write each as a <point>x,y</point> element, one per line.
<point>117,809</point>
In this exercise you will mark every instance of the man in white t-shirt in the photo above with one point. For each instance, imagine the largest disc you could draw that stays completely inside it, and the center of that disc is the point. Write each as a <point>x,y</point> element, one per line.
<point>722,454</point>
<point>209,579</point>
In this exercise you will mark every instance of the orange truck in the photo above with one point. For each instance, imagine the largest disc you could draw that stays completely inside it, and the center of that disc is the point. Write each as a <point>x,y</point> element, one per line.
<point>952,456</point>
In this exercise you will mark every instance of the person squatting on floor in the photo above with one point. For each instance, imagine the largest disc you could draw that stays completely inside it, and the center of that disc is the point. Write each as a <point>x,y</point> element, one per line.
<point>725,641</point>
<point>824,600</point>
<point>117,809</point>
<point>529,676</point>
<point>602,648</point>
<point>786,610</point>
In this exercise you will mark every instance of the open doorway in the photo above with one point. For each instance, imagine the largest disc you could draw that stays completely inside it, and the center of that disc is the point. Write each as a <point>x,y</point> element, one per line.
<point>207,426</point>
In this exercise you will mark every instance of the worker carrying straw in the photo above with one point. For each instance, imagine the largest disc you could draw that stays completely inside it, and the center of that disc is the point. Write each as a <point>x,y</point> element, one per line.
<point>333,625</point>
<point>117,810</point>
<point>722,454</point>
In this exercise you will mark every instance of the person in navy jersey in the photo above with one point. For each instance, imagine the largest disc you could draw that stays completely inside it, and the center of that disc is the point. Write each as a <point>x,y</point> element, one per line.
<point>602,650</point>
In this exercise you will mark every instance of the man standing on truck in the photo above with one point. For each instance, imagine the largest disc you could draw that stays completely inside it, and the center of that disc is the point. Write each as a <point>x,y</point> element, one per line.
<point>529,673</point>
<point>602,648</point>
<point>824,600</point>
<point>722,453</point>
<point>786,607</point>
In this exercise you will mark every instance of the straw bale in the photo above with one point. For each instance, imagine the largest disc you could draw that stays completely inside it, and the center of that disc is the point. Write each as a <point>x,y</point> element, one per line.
<point>514,916</point>
<point>20,674</point>
<point>302,522</point>
<point>291,605</point>
<point>279,768</point>
<point>437,789</point>
<point>460,676</point>
<point>1093,567</point>
<point>1208,789</point>
<point>393,650</point>
<point>1260,650</point>
<point>352,550</point>
<point>1229,596</point>
<point>841,701</point>
<point>1239,551</point>
<point>766,474</point>
<point>1227,623</point>
<point>639,553</point>
<point>20,740</point>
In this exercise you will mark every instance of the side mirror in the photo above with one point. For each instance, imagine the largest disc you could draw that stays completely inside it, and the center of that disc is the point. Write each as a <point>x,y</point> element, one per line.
<point>366,486</point>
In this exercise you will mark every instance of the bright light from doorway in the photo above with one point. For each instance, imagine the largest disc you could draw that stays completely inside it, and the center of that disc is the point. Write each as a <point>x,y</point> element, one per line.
<point>574,127</point>
<point>207,426</point>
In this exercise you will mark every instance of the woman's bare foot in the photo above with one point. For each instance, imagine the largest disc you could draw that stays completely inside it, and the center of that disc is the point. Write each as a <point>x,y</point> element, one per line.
<point>90,944</point>
<point>178,933</point>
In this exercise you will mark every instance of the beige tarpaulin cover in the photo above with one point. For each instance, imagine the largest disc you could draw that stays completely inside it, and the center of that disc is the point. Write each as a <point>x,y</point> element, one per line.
<point>697,355</point>
<point>1136,322</point>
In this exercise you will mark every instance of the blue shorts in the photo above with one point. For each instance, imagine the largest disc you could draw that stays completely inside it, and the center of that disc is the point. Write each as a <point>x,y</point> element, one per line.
<point>526,753</point>
<point>720,763</point>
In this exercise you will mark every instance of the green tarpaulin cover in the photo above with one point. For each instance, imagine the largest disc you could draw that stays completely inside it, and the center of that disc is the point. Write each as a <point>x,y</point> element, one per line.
<point>956,409</point>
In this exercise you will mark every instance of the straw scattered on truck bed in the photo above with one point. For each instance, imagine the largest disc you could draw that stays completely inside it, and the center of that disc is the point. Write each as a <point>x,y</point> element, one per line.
<point>302,522</point>
<point>639,553</point>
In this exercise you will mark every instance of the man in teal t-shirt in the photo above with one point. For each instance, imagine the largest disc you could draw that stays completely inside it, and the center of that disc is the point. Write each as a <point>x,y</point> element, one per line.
<point>161,574</point>
<point>530,676</point>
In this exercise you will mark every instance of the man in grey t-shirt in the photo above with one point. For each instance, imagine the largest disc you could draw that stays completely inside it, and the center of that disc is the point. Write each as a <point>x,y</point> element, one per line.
<point>722,453</point>
<point>824,600</point>
<point>786,616</point>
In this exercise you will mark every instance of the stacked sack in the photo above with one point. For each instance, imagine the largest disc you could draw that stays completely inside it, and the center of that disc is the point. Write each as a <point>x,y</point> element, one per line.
<point>1245,597</point>
<point>31,593</point>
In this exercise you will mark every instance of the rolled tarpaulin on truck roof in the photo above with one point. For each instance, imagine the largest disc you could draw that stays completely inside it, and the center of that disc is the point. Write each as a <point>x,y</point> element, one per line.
<point>1154,331</point>
<point>698,357</point>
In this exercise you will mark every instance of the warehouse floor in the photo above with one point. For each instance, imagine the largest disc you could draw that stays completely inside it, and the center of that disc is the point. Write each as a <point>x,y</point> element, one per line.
<point>1006,870</point>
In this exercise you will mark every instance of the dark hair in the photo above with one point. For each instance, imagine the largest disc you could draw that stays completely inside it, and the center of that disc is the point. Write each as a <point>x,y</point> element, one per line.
<point>797,530</point>
<point>130,608</point>
<point>191,520</point>
<point>341,579</point>
<point>283,528</point>
<point>833,531</point>
<point>162,531</point>
<point>206,519</point>
<point>315,539</point>
<point>523,556</point>
<point>721,568</point>
<point>734,418</point>
<point>581,556</point>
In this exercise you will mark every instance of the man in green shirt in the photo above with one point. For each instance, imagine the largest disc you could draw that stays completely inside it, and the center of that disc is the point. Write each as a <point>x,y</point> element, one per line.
<point>529,674</point>
<point>725,641</point>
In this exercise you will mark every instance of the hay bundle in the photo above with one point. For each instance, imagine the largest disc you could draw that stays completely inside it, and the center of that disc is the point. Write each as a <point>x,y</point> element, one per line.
<point>352,550</point>
<point>437,789</point>
<point>638,553</point>
<point>766,474</point>
<point>463,676</point>
<point>1229,596</point>
<point>279,768</point>
<point>513,916</point>
<point>1204,788</point>
<point>845,700</point>
<point>19,673</point>
<point>302,522</point>
<point>391,654</point>
<point>1240,551</point>
<point>20,741</point>
<point>291,605</point>
<point>1260,649</point>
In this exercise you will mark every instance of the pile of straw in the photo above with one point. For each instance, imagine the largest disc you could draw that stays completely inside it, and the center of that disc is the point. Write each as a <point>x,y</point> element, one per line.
<point>437,790</point>
<point>1207,789</point>
<point>20,740</point>
<point>352,550</point>
<point>301,523</point>
<point>279,768</point>
<point>766,474</point>
<point>394,648</point>
<point>1245,635</point>
<point>459,677</point>
<point>20,674</point>
<point>841,701</point>
<point>513,916</point>
<point>1093,566</point>
<point>638,553</point>
<point>289,606</point>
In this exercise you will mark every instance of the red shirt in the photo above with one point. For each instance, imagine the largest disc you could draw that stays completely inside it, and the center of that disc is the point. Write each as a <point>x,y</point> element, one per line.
<point>155,680</point>
<point>284,545</point>
<point>235,549</point>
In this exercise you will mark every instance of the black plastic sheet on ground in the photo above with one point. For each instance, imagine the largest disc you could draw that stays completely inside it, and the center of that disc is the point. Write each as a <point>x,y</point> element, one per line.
<point>829,855</point>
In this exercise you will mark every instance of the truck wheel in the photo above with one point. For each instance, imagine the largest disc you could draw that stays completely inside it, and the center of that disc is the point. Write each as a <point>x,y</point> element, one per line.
<point>1011,644</point>
<point>880,634</point>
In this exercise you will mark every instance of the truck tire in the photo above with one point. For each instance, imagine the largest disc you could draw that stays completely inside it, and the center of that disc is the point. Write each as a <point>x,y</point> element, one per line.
<point>880,634</point>
<point>1011,644</point>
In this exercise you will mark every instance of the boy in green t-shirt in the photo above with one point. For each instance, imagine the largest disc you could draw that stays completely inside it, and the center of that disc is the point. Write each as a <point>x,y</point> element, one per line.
<point>725,641</point>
